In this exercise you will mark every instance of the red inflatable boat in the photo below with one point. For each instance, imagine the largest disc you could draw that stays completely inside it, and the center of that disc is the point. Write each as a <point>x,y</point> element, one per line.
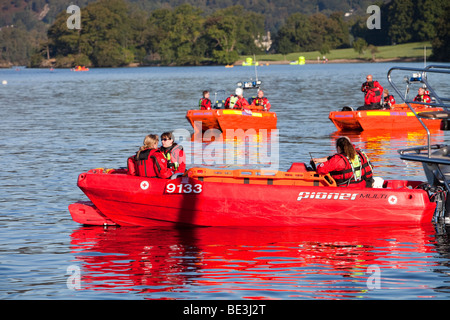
<point>223,119</point>
<point>210,197</point>
<point>399,117</point>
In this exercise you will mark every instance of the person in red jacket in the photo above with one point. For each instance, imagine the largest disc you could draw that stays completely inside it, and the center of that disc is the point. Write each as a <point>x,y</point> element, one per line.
<point>260,102</point>
<point>373,92</point>
<point>388,99</point>
<point>173,152</point>
<point>205,103</point>
<point>422,96</point>
<point>241,102</point>
<point>230,101</point>
<point>349,167</point>
<point>149,161</point>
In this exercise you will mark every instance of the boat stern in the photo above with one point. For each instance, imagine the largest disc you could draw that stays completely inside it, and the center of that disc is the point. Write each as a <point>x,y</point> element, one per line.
<point>345,120</point>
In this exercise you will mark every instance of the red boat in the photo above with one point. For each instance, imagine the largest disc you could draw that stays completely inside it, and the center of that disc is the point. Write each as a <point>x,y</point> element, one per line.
<point>80,68</point>
<point>223,119</point>
<point>399,117</point>
<point>210,197</point>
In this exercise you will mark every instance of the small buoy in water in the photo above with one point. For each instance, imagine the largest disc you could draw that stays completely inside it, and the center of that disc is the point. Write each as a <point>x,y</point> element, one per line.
<point>4,82</point>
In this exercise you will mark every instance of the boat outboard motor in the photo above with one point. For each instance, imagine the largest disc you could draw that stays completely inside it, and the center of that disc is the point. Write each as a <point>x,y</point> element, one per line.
<point>438,176</point>
<point>435,175</point>
<point>435,158</point>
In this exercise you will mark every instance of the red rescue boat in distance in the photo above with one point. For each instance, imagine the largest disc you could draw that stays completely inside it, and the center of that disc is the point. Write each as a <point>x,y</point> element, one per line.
<point>210,197</point>
<point>399,117</point>
<point>80,68</point>
<point>223,119</point>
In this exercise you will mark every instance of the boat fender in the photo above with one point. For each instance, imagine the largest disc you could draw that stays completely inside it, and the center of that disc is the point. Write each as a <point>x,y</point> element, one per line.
<point>176,175</point>
<point>378,182</point>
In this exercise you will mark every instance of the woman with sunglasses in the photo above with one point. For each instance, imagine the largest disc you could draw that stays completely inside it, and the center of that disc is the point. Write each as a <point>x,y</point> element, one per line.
<point>174,153</point>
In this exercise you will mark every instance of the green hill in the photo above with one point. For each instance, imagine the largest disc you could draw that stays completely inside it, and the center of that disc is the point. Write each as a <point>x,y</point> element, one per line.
<point>407,51</point>
<point>197,32</point>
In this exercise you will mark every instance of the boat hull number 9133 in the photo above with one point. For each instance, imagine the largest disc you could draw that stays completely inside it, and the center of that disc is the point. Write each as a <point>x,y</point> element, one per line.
<point>184,188</point>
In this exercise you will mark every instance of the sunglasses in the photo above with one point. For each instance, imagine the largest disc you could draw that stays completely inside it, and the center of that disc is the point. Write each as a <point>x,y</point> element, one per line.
<point>165,139</point>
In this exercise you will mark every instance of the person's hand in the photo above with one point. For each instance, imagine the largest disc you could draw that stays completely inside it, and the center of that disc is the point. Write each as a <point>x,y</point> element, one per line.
<point>319,160</point>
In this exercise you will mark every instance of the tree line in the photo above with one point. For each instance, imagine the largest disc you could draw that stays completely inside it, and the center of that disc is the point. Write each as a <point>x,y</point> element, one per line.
<point>115,33</point>
<point>401,21</point>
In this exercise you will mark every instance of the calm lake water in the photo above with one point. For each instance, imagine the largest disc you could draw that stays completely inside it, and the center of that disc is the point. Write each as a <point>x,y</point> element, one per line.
<point>57,124</point>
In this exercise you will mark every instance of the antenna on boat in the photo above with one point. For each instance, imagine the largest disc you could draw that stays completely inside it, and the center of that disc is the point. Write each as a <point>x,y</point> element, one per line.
<point>256,71</point>
<point>424,56</point>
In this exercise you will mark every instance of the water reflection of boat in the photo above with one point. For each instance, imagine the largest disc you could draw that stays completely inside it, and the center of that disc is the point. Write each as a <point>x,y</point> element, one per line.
<point>174,263</point>
<point>378,143</point>
<point>234,148</point>
<point>399,117</point>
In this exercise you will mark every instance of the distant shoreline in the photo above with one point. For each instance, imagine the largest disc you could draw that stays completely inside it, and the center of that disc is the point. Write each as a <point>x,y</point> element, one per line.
<point>407,52</point>
<point>285,62</point>
<point>261,63</point>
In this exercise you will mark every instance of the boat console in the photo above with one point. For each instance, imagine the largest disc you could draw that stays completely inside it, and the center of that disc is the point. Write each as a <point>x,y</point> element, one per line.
<point>435,158</point>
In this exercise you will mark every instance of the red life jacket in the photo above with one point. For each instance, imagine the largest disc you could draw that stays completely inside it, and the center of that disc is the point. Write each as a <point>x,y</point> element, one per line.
<point>230,101</point>
<point>261,102</point>
<point>241,103</point>
<point>373,92</point>
<point>346,176</point>
<point>373,95</point>
<point>422,98</point>
<point>204,104</point>
<point>131,164</point>
<point>175,157</point>
<point>389,101</point>
<point>151,163</point>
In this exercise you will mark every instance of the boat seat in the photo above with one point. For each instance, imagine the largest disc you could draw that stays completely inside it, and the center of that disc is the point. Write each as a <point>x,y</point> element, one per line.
<point>400,184</point>
<point>297,167</point>
<point>434,114</point>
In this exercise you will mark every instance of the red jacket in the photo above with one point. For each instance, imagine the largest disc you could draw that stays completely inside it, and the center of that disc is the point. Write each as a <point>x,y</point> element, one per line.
<point>151,163</point>
<point>241,103</point>
<point>373,94</point>
<point>389,101</point>
<point>175,157</point>
<point>340,168</point>
<point>228,101</point>
<point>205,104</point>
<point>422,98</point>
<point>261,102</point>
